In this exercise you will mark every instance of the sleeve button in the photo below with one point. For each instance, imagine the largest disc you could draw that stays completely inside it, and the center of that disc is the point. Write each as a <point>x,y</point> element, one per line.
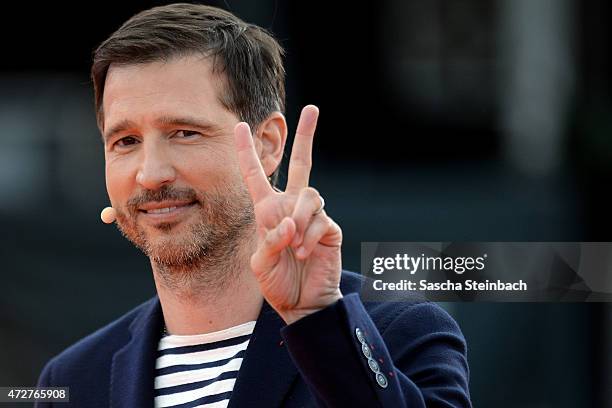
<point>373,365</point>
<point>381,380</point>
<point>366,350</point>
<point>359,335</point>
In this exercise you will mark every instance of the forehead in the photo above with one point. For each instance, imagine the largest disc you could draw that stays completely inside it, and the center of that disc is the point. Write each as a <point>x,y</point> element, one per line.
<point>185,86</point>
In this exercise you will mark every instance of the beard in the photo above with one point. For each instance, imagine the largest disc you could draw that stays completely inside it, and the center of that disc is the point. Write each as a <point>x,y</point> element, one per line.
<point>201,252</point>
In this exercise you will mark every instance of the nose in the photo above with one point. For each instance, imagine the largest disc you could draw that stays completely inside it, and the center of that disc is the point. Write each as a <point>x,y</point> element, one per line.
<point>156,168</point>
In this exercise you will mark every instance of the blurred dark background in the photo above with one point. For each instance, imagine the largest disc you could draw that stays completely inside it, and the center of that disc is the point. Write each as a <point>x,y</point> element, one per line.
<point>441,120</point>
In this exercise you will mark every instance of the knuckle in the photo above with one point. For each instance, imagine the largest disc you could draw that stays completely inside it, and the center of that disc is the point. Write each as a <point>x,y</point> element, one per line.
<point>306,162</point>
<point>329,223</point>
<point>310,192</point>
<point>270,239</point>
<point>339,232</point>
<point>335,227</point>
<point>302,161</point>
<point>255,261</point>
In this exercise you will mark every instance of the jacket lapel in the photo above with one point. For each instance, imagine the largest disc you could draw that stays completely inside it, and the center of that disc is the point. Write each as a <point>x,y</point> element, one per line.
<point>133,367</point>
<point>267,371</point>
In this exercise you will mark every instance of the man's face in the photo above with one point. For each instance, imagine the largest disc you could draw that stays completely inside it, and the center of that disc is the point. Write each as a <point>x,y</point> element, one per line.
<point>171,168</point>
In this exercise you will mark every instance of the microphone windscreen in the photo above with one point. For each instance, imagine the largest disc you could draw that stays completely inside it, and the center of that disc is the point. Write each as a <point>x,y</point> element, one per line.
<point>108,215</point>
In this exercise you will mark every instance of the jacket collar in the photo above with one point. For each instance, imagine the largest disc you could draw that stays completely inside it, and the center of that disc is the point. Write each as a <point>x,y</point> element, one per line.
<point>265,376</point>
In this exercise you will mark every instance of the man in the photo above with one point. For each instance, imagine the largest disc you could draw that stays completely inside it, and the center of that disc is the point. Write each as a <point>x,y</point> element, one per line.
<point>253,308</point>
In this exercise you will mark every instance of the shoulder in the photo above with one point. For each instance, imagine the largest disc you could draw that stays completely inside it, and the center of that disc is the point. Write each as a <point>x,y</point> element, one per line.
<point>96,349</point>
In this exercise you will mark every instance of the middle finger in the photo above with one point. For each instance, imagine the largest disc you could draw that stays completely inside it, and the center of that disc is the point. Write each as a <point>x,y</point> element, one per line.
<point>301,153</point>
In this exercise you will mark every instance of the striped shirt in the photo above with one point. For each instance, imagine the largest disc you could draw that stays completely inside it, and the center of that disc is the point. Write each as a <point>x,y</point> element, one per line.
<point>200,370</point>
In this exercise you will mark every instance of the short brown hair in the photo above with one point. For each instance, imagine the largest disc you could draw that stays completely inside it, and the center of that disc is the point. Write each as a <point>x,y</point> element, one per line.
<point>248,56</point>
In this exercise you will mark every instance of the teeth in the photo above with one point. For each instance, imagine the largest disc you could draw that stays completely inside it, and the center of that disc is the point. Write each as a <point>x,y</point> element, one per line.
<point>161,210</point>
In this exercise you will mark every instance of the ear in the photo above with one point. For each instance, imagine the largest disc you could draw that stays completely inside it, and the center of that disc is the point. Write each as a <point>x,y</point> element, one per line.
<point>270,141</point>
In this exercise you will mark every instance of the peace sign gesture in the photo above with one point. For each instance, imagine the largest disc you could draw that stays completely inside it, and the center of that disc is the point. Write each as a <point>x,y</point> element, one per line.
<point>298,260</point>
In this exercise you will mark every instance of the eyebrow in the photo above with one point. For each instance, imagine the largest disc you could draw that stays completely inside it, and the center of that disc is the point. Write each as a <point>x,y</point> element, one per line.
<point>163,122</point>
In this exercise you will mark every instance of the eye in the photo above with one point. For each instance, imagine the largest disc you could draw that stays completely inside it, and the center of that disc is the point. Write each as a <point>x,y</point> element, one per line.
<point>187,134</point>
<point>126,141</point>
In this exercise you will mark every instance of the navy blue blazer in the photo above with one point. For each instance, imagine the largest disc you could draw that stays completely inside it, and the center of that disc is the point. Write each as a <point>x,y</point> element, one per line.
<point>324,359</point>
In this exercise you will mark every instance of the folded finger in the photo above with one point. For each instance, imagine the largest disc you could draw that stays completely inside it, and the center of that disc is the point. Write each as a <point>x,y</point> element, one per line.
<point>317,229</point>
<point>307,204</point>
<point>268,252</point>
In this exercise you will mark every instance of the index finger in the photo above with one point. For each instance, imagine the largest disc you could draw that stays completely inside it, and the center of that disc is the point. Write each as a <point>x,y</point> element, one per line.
<point>301,154</point>
<point>250,166</point>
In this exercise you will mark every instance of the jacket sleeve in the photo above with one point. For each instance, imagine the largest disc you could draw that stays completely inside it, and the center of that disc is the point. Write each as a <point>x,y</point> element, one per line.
<point>418,359</point>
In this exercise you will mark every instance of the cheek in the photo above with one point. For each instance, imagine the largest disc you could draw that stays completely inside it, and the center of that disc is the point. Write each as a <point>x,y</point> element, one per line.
<point>207,165</point>
<point>119,181</point>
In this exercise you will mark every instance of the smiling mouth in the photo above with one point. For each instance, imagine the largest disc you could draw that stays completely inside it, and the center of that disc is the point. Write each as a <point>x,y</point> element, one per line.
<point>161,210</point>
<point>157,209</point>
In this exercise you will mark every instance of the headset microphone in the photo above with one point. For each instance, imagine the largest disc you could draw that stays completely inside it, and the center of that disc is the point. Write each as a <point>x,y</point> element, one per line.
<point>108,215</point>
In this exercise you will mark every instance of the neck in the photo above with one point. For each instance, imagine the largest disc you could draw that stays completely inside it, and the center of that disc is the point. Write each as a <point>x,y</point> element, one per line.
<point>213,294</point>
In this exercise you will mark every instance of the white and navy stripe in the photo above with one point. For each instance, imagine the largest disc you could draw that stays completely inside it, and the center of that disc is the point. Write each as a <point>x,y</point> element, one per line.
<point>200,370</point>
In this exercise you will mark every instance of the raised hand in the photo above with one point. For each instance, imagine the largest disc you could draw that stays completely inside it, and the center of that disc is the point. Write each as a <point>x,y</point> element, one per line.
<point>298,260</point>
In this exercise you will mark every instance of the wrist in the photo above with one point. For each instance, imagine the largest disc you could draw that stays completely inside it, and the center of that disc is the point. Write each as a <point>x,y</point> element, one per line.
<point>292,316</point>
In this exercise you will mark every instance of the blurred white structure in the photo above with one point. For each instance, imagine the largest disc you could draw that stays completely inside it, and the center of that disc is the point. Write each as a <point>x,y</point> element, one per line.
<point>536,81</point>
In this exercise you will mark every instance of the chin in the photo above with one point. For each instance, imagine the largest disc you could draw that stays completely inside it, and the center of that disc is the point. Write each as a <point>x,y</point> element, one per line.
<point>166,226</point>
<point>173,252</point>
